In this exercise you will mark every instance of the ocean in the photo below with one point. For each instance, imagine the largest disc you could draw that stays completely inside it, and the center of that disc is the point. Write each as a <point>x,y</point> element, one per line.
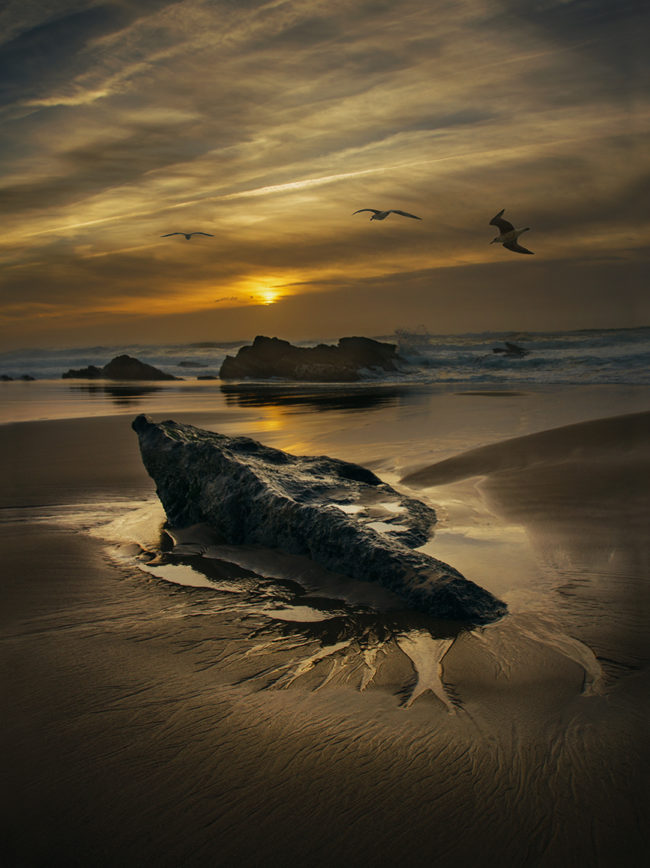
<point>581,357</point>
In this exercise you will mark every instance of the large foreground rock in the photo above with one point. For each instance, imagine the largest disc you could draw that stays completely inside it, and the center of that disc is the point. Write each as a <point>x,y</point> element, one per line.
<point>272,357</point>
<point>339,514</point>
<point>120,368</point>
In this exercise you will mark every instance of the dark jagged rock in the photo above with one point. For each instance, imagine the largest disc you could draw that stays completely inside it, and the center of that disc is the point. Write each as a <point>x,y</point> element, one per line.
<point>273,357</point>
<point>92,372</point>
<point>120,368</point>
<point>330,510</point>
<point>127,368</point>
<point>511,349</point>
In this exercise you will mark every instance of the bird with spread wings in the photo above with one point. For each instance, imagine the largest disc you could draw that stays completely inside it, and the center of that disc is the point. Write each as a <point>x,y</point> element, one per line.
<point>508,235</point>
<point>382,215</point>
<point>187,235</point>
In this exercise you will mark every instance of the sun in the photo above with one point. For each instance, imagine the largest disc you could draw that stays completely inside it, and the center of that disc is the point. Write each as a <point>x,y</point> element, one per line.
<point>266,289</point>
<point>268,295</point>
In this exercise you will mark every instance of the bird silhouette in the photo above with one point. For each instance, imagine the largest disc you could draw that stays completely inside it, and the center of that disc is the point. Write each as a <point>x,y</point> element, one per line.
<point>508,235</point>
<point>382,215</point>
<point>187,235</point>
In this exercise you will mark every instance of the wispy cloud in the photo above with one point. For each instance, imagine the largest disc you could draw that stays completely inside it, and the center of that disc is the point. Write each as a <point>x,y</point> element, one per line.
<point>269,123</point>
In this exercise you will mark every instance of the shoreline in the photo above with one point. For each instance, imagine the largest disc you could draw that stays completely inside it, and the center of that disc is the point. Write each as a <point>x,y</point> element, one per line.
<point>49,400</point>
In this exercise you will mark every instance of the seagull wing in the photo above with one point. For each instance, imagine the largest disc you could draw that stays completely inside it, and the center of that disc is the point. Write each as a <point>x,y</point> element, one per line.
<point>502,225</point>
<point>202,233</point>
<point>169,235</point>
<point>404,214</point>
<point>374,210</point>
<point>512,245</point>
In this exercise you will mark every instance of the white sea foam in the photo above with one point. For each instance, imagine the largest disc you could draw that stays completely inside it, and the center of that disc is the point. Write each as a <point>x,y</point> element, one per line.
<point>589,356</point>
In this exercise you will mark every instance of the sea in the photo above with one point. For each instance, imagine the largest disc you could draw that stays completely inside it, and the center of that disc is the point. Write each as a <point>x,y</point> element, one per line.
<point>590,356</point>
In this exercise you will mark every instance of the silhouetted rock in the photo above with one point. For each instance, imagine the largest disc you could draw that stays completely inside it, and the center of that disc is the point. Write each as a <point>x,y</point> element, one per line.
<point>511,349</point>
<point>339,514</point>
<point>127,368</point>
<point>273,357</point>
<point>207,377</point>
<point>120,368</point>
<point>90,373</point>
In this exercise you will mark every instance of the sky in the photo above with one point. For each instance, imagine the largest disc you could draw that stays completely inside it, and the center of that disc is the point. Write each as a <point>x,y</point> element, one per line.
<point>267,124</point>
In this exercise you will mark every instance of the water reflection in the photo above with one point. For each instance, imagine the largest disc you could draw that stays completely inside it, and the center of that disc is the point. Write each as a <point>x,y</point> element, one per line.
<point>296,636</point>
<point>122,394</point>
<point>328,398</point>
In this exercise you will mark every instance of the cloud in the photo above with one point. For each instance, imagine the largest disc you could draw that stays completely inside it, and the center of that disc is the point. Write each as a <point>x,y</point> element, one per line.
<point>47,54</point>
<point>308,32</point>
<point>269,123</point>
<point>91,168</point>
<point>34,57</point>
<point>607,38</point>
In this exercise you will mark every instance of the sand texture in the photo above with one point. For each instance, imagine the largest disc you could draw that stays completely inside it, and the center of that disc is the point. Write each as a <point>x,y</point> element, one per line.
<point>189,703</point>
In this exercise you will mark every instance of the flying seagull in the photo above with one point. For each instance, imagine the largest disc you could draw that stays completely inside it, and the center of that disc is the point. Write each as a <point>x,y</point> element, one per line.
<point>187,235</point>
<point>508,234</point>
<point>382,215</point>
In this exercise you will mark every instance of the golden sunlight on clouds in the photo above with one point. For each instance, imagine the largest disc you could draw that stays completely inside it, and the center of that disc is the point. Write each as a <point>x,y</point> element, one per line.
<point>267,125</point>
<point>257,290</point>
<point>269,295</point>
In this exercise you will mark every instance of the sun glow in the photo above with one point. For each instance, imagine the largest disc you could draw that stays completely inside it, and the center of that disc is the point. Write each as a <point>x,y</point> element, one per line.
<point>266,290</point>
<point>268,295</point>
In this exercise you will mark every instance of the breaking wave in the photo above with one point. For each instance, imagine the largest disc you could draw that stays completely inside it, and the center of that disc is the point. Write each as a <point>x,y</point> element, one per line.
<point>587,356</point>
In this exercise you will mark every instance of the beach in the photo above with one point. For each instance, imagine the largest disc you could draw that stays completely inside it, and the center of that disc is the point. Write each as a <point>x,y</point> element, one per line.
<point>223,707</point>
<point>324,434</point>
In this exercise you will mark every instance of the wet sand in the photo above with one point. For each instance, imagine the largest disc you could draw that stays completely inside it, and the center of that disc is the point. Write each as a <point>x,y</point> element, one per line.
<point>142,724</point>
